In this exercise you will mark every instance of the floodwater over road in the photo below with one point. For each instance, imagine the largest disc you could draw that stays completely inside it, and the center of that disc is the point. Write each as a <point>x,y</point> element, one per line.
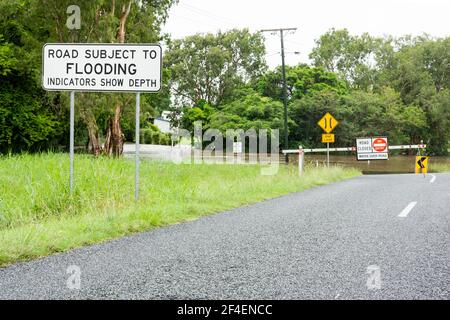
<point>395,164</point>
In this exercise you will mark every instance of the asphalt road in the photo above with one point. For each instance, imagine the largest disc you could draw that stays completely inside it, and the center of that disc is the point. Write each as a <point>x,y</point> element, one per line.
<point>340,241</point>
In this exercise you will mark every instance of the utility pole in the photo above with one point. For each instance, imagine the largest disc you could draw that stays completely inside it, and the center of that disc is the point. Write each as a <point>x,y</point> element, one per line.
<point>283,67</point>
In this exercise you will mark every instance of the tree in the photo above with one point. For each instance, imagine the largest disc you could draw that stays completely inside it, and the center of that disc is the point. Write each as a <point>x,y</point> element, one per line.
<point>249,112</point>
<point>201,111</point>
<point>384,113</point>
<point>25,123</point>
<point>306,112</point>
<point>355,59</point>
<point>211,67</point>
<point>360,114</point>
<point>437,110</point>
<point>417,68</point>
<point>421,74</point>
<point>420,64</point>
<point>103,21</point>
<point>8,62</point>
<point>300,80</point>
<point>26,120</point>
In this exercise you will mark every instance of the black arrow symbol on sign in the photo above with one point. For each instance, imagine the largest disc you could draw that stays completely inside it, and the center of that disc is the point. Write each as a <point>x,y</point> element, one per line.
<point>421,161</point>
<point>326,122</point>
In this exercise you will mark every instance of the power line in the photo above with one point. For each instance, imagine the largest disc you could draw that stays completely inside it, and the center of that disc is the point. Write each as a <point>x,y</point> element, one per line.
<point>294,42</point>
<point>198,22</point>
<point>207,14</point>
<point>271,54</point>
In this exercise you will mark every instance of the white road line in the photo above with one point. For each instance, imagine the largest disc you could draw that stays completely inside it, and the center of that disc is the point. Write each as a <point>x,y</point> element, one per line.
<point>433,177</point>
<point>408,208</point>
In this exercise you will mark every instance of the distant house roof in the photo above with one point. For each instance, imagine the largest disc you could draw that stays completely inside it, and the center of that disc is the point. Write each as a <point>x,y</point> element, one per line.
<point>165,115</point>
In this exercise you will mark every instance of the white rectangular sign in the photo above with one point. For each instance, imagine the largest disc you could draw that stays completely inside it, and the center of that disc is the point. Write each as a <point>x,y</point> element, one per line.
<point>364,145</point>
<point>237,147</point>
<point>372,148</point>
<point>373,156</point>
<point>102,67</point>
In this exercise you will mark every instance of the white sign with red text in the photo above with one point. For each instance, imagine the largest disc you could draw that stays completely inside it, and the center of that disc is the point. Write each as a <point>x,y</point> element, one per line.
<point>372,148</point>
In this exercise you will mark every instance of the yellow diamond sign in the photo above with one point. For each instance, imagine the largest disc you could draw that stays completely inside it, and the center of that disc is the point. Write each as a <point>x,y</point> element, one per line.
<point>328,123</point>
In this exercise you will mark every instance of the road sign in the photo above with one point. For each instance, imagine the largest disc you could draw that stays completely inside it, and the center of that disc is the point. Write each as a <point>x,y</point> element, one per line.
<point>372,148</point>
<point>328,138</point>
<point>328,123</point>
<point>237,147</point>
<point>379,145</point>
<point>421,164</point>
<point>102,67</point>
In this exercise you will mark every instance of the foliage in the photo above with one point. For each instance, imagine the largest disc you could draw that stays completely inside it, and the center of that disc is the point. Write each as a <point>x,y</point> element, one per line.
<point>360,114</point>
<point>397,87</point>
<point>26,120</point>
<point>152,135</point>
<point>26,25</point>
<point>300,80</point>
<point>210,67</point>
<point>417,68</point>
<point>355,58</point>
<point>8,62</point>
<point>251,110</point>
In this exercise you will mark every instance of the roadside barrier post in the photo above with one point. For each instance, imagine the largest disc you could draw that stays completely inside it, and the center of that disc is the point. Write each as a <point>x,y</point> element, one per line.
<point>301,159</point>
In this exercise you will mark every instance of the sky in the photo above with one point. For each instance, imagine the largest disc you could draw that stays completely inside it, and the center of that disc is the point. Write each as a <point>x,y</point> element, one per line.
<point>312,18</point>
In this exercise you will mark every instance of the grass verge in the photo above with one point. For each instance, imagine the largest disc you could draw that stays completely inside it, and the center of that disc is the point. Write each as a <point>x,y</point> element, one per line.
<point>39,217</point>
<point>439,167</point>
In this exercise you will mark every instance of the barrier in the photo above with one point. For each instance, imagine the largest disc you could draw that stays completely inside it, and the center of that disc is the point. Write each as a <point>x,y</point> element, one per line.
<point>301,152</point>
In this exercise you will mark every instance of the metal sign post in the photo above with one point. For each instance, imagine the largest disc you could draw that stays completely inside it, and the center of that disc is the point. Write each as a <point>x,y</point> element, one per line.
<point>138,112</point>
<point>328,154</point>
<point>72,136</point>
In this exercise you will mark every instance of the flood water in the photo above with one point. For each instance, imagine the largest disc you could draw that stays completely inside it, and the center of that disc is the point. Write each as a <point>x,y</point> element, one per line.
<point>395,163</point>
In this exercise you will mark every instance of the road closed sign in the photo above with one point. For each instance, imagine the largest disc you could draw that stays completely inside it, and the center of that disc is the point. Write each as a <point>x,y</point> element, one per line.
<point>102,67</point>
<point>379,145</point>
<point>372,148</point>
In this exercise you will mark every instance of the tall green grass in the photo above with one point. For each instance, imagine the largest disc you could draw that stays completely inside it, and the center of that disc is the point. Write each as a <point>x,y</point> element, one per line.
<point>38,216</point>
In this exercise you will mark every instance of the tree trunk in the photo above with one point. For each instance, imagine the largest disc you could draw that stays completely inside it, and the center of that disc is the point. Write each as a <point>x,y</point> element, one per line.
<point>93,144</point>
<point>123,19</point>
<point>88,118</point>
<point>114,135</point>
